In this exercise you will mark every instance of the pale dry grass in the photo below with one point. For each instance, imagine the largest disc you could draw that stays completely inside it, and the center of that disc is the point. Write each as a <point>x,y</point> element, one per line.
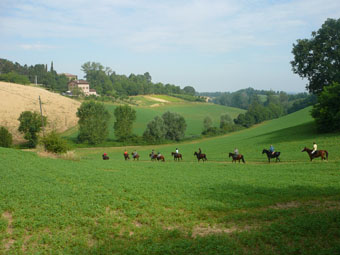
<point>15,98</point>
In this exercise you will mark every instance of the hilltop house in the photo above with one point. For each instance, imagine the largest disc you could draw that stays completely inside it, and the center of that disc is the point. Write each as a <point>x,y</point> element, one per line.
<point>83,85</point>
<point>70,77</point>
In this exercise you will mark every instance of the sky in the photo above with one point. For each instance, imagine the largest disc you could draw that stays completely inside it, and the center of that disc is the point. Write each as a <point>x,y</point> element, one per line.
<point>212,45</point>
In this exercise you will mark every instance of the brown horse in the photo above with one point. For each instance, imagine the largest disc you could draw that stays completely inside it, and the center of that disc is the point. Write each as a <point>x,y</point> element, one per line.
<point>105,157</point>
<point>126,156</point>
<point>177,156</point>
<point>236,157</point>
<point>319,153</point>
<point>200,156</point>
<point>135,156</point>
<point>155,156</point>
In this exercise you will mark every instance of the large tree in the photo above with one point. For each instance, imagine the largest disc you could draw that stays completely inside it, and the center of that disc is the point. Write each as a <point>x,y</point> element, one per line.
<point>155,130</point>
<point>30,125</point>
<point>125,116</point>
<point>175,126</point>
<point>318,58</point>
<point>327,110</point>
<point>93,122</point>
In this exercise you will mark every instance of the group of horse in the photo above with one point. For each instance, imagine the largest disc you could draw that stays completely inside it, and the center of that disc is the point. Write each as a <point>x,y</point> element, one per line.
<point>239,157</point>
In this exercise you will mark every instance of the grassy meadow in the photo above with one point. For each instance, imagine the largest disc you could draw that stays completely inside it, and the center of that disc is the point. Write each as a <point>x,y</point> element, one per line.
<point>194,114</point>
<point>91,206</point>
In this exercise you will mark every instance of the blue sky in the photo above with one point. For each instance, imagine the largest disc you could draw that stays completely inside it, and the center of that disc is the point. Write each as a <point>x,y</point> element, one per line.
<point>212,45</point>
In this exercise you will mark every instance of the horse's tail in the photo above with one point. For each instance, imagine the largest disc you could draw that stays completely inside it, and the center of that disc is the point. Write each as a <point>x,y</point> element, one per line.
<point>243,159</point>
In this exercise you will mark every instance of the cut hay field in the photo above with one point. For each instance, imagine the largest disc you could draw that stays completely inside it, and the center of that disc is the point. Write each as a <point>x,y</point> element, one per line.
<point>15,98</point>
<point>91,206</point>
<point>194,114</point>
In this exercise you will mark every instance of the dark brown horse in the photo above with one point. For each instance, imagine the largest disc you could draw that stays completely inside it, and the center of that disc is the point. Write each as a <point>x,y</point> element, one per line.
<point>271,155</point>
<point>135,156</point>
<point>105,157</point>
<point>155,156</point>
<point>319,153</point>
<point>177,156</point>
<point>126,156</point>
<point>236,157</point>
<point>200,156</point>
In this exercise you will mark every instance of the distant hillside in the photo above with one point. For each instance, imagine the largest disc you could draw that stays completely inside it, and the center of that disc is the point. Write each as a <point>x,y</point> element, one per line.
<point>15,98</point>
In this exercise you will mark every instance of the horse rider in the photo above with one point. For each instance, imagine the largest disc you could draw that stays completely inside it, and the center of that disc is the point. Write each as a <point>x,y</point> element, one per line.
<point>199,151</point>
<point>315,147</point>
<point>159,154</point>
<point>125,153</point>
<point>235,153</point>
<point>152,154</point>
<point>134,153</point>
<point>176,152</point>
<point>271,149</point>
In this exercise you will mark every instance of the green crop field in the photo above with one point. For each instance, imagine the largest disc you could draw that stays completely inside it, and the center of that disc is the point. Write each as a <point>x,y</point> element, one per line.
<point>91,206</point>
<point>194,114</point>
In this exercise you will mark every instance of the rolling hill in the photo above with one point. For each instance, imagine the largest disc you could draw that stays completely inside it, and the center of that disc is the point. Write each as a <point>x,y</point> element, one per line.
<point>91,206</point>
<point>15,98</point>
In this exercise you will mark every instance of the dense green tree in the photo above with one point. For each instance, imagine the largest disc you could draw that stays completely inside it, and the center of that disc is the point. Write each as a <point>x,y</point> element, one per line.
<point>189,90</point>
<point>318,58</point>
<point>30,125</point>
<point>155,130</point>
<point>175,126</point>
<point>124,118</point>
<point>93,122</point>
<point>5,138</point>
<point>327,110</point>
<point>226,122</point>
<point>207,123</point>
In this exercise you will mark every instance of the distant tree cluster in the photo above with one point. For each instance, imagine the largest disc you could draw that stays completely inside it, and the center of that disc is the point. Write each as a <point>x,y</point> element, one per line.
<point>107,82</point>
<point>318,60</point>
<point>244,98</point>
<point>227,125</point>
<point>14,72</point>
<point>171,126</point>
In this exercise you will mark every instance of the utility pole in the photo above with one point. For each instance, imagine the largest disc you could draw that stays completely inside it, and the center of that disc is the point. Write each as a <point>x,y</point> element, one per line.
<point>42,119</point>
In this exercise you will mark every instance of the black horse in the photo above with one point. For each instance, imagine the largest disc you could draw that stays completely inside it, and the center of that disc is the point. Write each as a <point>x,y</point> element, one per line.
<point>177,156</point>
<point>237,157</point>
<point>105,157</point>
<point>270,155</point>
<point>200,156</point>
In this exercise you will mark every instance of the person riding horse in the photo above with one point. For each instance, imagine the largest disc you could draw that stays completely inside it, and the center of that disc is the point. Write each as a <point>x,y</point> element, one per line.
<point>105,157</point>
<point>235,154</point>
<point>315,148</point>
<point>126,155</point>
<point>271,149</point>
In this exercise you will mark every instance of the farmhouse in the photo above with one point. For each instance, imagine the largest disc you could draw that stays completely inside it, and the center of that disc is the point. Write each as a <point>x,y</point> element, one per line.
<point>83,85</point>
<point>70,77</point>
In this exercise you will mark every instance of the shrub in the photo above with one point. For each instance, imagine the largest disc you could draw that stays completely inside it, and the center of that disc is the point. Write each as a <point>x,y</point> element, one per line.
<point>54,143</point>
<point>5,138</point>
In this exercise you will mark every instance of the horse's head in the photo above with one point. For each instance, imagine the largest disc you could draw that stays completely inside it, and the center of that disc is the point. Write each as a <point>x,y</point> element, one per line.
<point>264,151</point>
<point>304,149</point>
<point>195,154</point>
<point>230,154</point>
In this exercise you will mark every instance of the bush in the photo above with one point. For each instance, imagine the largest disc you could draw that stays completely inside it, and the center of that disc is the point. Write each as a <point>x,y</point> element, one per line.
<point>15,78</point>
<point>54,143</point>
<point>5,138</point>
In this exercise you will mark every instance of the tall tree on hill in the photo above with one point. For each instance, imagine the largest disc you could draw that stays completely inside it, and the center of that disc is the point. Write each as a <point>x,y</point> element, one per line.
<point>125,116</point>
<point>175,126</point>
<point>93,122</point>
<point>30,125</point>
<point>155,130</point>
<point>318,58</point>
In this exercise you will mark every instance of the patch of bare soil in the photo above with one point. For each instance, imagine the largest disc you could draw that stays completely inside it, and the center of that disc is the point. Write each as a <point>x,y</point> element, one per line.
<point>16,98</point>
<point>202,230</point>
<point>7,243</point>
<point>157,99</point>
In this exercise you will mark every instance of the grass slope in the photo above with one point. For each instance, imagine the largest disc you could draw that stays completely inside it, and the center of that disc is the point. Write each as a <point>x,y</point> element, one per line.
<point>53,206</point>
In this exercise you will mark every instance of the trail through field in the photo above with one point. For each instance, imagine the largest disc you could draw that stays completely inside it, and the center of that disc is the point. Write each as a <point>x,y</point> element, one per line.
<point>157,99</point>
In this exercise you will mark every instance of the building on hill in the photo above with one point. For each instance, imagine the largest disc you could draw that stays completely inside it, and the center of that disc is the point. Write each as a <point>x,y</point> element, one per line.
<point>83,85</point>
<point>69,76</point>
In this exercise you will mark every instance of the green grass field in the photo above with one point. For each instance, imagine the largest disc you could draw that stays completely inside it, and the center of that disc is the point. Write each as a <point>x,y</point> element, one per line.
<point>194,114</point>
<point>91,206</point>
